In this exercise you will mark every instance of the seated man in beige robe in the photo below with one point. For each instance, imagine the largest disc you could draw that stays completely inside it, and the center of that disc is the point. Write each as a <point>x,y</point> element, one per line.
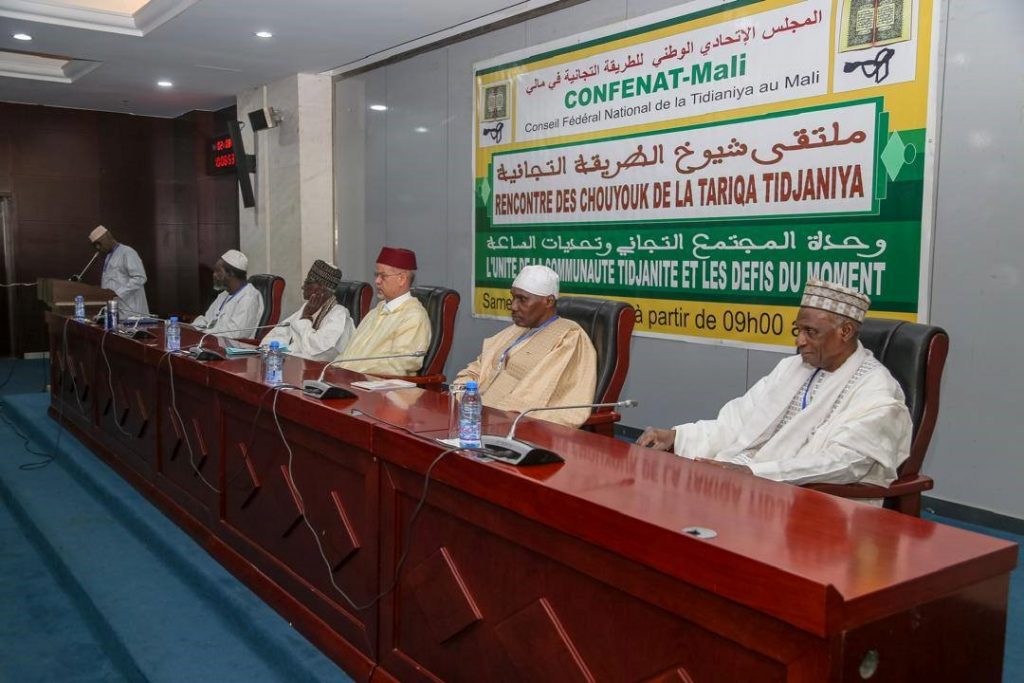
<point>540,360</point>
<point>397,325</point>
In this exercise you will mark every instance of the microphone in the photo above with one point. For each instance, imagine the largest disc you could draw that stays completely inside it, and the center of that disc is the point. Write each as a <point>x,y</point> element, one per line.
<point>513,451</point>
<point>199,353</point>
<point>318,388</point>
<point>78,278</point>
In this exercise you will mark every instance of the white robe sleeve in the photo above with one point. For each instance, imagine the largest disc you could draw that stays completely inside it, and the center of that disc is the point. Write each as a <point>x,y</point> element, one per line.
<point>205,320</point>
<point>135,274</point>
<point>239,319</point>
<point>282,335</point>
<point>706,438</point>
<point>326,342</point>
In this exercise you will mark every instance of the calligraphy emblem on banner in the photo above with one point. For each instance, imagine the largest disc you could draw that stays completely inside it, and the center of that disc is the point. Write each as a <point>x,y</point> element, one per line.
<point>703,163</point>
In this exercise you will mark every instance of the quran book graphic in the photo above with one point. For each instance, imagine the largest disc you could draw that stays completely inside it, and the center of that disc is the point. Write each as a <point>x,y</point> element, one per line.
<point>871,23</point>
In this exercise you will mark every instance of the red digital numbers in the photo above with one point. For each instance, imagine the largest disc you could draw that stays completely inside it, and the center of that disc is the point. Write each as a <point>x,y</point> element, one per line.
<point>222,155</point>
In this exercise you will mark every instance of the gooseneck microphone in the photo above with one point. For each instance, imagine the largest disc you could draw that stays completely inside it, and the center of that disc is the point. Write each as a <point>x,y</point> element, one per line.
<point>511,450</point>
<point>318,388</point>
<point>78,278</point>
<point>199,353</point>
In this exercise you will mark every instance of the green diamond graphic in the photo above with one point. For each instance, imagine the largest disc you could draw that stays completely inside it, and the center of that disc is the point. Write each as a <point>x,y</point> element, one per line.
<point>893,157</point>
<point>485,191</point>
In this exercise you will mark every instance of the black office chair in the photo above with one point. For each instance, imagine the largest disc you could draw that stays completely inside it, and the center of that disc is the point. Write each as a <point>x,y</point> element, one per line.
<point>271,288</point>
<point>442,305</point>
<point>915,354</point>
<point>356,297</point>
<point>609,324</point>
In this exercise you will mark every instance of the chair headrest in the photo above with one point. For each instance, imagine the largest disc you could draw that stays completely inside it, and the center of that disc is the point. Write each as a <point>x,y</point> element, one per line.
<point>599,318</point>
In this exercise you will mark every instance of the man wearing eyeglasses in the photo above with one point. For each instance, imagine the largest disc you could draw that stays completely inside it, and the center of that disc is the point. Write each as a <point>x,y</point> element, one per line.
<point>398,324</point>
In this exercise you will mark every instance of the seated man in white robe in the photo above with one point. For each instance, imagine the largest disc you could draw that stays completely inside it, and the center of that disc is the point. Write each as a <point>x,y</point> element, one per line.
<point>237,310</point>
<point>832,414</point>
<point>539,360</point>
<point>123,272</point>
<point>322,328</point>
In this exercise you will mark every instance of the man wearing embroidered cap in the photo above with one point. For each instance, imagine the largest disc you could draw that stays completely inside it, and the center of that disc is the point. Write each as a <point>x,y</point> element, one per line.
<point>397,325</point>
<point>123,272</point>
<point>539,360</point>
<point>237,310</point>
<point>322,328</point>
<point>832,414</point>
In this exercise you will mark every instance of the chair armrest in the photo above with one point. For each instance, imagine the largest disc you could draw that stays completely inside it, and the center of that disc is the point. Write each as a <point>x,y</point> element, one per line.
<point>604,417</point>
<point>913,484</point>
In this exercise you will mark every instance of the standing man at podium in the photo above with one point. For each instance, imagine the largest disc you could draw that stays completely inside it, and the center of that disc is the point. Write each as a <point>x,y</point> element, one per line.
<point>123,272</point>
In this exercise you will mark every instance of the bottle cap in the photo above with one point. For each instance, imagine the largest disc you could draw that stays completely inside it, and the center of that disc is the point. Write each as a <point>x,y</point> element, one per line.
<point>470,385</point>
<point>174,318</point>
<point>275,345</point>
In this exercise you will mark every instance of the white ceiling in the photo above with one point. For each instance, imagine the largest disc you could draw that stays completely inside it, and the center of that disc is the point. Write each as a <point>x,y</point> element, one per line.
<point>111,59</point>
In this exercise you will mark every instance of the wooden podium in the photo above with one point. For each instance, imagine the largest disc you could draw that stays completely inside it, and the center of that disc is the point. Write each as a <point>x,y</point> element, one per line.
<point>59,295</point>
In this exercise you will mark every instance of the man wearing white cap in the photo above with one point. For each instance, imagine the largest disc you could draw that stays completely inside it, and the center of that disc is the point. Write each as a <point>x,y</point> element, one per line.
<point>236,311</point>
<point>322,328</point>
<point>123,272</point>
<point>833,414</point>
<point>540,360</point>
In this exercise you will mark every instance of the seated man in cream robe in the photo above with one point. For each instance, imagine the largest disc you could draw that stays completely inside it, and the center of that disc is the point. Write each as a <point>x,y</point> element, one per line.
<point>322,328</point>
<point>397,325</point>
<point>123,272</point>
<point>237,310</point>
<point>832,414</point>
<point>540,360</point>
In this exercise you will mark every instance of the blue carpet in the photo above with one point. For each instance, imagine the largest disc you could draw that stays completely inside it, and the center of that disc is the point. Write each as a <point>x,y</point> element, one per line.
<point>97,585</point>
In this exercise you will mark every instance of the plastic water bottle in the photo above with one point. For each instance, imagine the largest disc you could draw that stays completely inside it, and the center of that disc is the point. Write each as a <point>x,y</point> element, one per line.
<point>79,307</point>
<point>172,334</point>
<point>273,364</point>
<point>113,322</point>
<point>469,417</point>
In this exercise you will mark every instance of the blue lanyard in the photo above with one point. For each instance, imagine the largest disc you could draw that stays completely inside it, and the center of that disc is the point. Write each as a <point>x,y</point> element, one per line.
<point>229,298</point>
<point>106,261</point>
<point>521,339</point>
<point>807,390</point>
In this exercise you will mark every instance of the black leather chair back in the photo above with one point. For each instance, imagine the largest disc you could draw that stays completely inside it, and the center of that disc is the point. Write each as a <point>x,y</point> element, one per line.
<point>355,296</point>
<point>902,347</point>
<point>271,288</point>
<point>609,324</point>
<point>442,304</point>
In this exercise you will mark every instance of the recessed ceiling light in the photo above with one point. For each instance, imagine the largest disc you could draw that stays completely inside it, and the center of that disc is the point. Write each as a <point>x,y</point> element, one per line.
<point>378,107</point>
<point>165,84</point>
<point>22,36</point>
<point>264,34</point>
<point>420,129</point>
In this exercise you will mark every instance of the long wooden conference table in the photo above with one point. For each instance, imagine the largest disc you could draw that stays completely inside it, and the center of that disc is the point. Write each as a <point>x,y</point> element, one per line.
<point>579,571</point>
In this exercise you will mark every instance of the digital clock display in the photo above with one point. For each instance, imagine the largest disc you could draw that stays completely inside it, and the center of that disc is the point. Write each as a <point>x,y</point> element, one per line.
<point>222,155</point>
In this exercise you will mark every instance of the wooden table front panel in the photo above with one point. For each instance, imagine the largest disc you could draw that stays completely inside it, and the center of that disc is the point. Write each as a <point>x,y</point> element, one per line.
<point>487,595</point>
<point>126,402</point>
<point>335,489</point>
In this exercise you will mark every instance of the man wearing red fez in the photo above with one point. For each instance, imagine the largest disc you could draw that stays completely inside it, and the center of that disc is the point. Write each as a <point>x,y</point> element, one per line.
<point>398,324</point>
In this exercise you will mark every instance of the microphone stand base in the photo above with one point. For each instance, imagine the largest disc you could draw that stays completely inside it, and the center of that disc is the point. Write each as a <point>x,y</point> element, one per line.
<point>516,452</point>
<point>324,391</point>
<point>204,354</point>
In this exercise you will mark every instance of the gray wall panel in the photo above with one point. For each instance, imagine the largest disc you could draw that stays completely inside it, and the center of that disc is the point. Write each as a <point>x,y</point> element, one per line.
<point>977,282</point>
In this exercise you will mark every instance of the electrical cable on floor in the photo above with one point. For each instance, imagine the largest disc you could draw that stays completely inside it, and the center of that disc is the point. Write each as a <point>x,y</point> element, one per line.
<point>181,423</point>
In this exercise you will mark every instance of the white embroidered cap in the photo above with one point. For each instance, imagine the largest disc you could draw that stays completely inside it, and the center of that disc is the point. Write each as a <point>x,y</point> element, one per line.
<point>829,296</point>
<point>539,280</point>
<point>98,232</point>
<point>235,259</point>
